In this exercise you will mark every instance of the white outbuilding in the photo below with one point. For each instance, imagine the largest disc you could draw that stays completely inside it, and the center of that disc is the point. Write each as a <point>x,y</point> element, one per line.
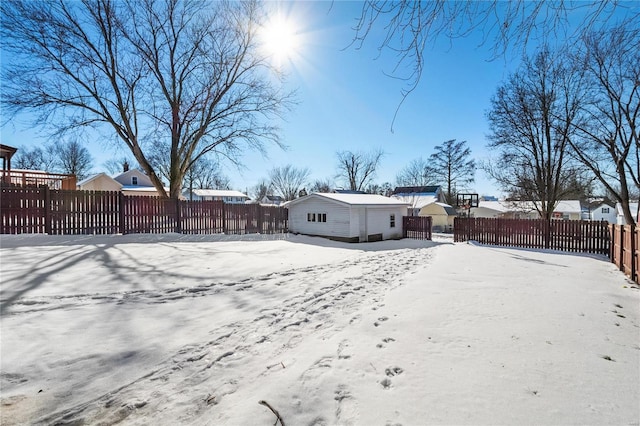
<point>347,217</point>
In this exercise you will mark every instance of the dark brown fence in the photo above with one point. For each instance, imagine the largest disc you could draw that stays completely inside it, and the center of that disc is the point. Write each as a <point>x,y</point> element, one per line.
<point>624,249</point>
<point>565,235</point>
<point>416,227</point>
<point>65,212</point>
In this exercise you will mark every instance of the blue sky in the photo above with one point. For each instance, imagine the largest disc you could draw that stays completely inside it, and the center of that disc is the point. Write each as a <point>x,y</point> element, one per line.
<point>348,103</point>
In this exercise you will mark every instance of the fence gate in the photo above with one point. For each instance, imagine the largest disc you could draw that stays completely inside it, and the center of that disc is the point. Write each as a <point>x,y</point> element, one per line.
<point>416,227</point>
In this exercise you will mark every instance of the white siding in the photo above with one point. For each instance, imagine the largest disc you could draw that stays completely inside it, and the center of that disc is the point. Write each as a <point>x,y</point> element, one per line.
<point>604,212</point>
<point>352,222</point>
<point>337,224</point>
<point>379,221</point>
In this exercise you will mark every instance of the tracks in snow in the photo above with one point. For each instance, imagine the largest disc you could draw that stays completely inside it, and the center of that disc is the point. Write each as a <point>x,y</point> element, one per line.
<point>198,376</point>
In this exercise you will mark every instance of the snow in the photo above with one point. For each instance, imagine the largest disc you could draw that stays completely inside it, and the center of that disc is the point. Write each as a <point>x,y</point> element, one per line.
<point>172,329</point>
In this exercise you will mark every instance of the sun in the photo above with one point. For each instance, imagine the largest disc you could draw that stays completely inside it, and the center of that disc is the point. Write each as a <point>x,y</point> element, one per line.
<point>280,39</point>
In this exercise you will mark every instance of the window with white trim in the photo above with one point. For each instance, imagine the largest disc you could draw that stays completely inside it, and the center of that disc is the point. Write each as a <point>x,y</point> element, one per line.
<point>392,220</point>
<point>134,180</point>
<point>605,210</point>
<point>316,217</point>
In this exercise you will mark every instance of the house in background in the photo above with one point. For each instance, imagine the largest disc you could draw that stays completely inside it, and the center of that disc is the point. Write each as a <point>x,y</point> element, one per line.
<point>32,178</point>
<point>347,217</point>
<point>442,216</point>
<point>130,182</point>
<point>491,209</point>
<point>271,200</point>
<point>620,216</point>
<point>99,182</point>
<point>418,197</point>
<point>600,210</point>
<point>568,210</point>
<point>228,196</point>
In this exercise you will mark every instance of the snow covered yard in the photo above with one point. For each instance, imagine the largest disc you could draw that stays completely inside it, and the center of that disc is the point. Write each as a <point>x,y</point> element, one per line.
<point>172,329</point>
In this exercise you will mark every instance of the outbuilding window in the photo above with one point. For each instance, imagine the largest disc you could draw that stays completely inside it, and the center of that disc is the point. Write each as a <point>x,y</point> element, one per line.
<point>316,217</point>
<point>134,180</point>
<point>605,210</point>
<point>392,221</point>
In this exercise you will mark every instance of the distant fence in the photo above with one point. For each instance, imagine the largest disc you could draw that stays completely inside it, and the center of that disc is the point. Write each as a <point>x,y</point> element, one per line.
<point>565,235</point>
<point>624,249</point>
<point>417,227</point>
<point>65,212</point>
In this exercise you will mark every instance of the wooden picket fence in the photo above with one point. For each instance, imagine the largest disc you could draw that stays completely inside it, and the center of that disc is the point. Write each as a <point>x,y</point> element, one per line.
<point>65,212</point>
<point>417,227</point>
<point>566,235</point>
<point>624,249</point>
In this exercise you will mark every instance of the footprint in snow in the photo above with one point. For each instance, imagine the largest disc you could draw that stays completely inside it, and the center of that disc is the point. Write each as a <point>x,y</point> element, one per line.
<point>381,319</point>
<point>393,371</point>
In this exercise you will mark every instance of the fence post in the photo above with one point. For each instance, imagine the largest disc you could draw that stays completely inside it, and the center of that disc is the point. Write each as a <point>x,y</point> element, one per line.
<point>121,217</point>
<point>224,219</point>
<point>47,210</point>
<point>621,258</point>
<point>612,241</point>
<point>178,217</point>
<point>260,219</point>
<point>633,252</point>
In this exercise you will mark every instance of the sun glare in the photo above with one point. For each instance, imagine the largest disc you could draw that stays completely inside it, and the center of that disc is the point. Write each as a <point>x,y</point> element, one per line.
<point>280,39</point>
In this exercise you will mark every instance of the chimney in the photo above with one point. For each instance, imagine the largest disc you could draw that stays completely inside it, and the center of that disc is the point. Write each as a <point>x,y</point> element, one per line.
<point>125,166</point>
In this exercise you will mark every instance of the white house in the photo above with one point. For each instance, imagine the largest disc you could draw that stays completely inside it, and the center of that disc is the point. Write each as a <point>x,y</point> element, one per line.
<point>504,209</point>
<point>442,216</point>
<point>99,182</point>
<point>602,211</point>
<point>620,216</point>
<point>271,200</point>
<point>418,197</point>
<point>228,196</point>
<point>565,209</point>
<point>347,217</point>
<point>131,182</point>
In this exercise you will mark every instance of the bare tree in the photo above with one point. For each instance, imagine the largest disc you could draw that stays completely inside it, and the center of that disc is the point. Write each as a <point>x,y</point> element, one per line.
<point>36,158</point>
<point>287,181</point>
<point>72,158</point>
<point>531,118</point>
<point>59,157</point>
<point>359,168</point>
<point>206,174</point>
<point>411,26</point>
<point>384,189</point>
<point>453,168</point>
<point>116,166</point>
<point>188,74</point>
<point>417,173</point>
<point>261,190</point>
<point>322,185</point>
<point>607,137</point>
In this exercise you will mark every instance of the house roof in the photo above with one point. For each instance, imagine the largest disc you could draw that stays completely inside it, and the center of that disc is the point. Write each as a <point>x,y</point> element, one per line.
<point>348,191</point>
<point>568,206</point>
<point>416,200</point>
<point>97,176</point>
<point>352,199</point>
<point>433,189</point>
<point>141,188</point>
<point>447,208</point>
<point>7,151</point>
<point>633,206</point>
<point>564,206</point>
<point>218,193</point>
